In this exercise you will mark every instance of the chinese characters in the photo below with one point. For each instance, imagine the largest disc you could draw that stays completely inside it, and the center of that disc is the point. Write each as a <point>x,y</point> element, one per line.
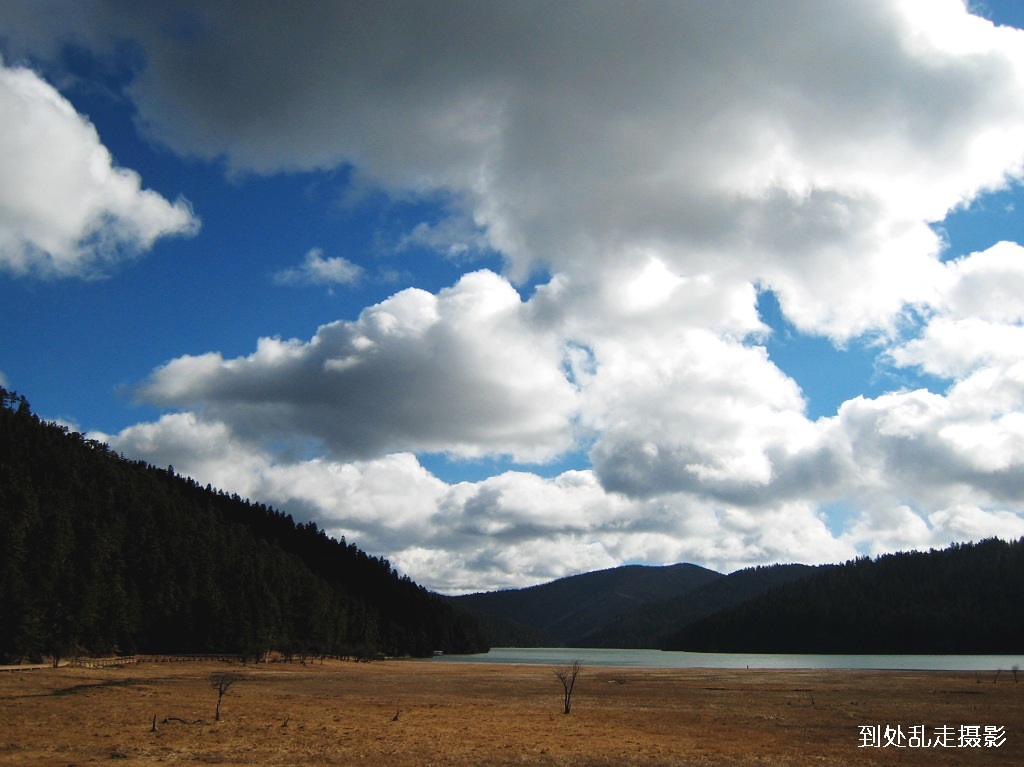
<point>942,736</point>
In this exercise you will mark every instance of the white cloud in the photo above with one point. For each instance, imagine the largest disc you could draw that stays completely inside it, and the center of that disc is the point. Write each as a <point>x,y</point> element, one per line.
<point>465,372</point>
<point>926,452</point>
<point>65,208</point>
<point>801,145</point>
<point>975,320</point>
<point>891,528</point>
<point>987,285</point>
<point>456,237</point>
<point>885,529</point>
<point>317,270</point>
<point>952,348</point>
<point>689,411</point>
<point>967,522</point>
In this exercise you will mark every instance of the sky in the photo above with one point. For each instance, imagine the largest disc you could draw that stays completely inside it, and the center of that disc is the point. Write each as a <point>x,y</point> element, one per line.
<point>506,292</point>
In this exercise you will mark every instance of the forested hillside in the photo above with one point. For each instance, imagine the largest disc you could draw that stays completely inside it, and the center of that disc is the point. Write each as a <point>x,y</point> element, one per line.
<point>651,624</point>
<point>570,607</point>
<point>961,600</point>
<point>99,554</point>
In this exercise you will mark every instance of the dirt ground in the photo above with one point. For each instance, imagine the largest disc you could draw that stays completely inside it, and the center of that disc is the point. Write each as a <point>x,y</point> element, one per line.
<point>421,713</point>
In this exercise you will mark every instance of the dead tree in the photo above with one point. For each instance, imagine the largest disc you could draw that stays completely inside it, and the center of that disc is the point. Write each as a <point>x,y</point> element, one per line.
<point>567,676</point>
<point>221,682</point>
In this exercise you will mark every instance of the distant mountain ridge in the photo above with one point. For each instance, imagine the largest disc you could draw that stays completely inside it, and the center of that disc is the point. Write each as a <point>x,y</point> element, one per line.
<point>964,599</point>
<point>652,624</point>
<point>571,607</point>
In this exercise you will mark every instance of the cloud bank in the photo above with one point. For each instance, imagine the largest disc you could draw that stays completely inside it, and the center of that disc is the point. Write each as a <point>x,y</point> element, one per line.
<point>803,145</point>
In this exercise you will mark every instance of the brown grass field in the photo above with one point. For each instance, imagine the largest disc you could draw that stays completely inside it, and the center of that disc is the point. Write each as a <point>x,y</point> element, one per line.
<point>343,713</point>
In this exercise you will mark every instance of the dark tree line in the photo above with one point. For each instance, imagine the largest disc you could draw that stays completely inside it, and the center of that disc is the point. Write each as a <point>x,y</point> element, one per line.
<point>966,599</point>
<point>100,554</point>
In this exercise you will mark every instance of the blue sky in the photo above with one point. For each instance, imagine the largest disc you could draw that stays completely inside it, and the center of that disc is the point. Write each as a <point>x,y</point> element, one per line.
<point>542,289</point>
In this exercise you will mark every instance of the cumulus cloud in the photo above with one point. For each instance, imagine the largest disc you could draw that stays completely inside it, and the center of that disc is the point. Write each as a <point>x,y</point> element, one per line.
<point>926,469</point>
<point>956,455</point>
<point>689,412</point>
<point>65,208</point>
<point>885,529</point>
<point>975,320</point>
<point>465,372</point>
<point>803,145</point>
<point>317,270</point>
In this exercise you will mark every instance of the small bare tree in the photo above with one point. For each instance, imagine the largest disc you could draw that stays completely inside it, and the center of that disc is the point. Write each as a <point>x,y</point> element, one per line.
<point>221,682</point>
<point>567,676</point>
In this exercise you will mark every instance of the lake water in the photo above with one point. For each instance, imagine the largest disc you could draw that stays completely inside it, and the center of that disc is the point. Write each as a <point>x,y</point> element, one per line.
<point>560,656</point>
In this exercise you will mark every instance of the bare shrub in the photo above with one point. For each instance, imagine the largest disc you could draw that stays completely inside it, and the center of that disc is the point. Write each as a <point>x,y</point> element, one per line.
<point>567,676</point>
<point>221,682</point>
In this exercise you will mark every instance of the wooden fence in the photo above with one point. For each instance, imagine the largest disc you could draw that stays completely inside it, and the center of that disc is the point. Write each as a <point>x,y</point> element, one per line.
<point>129,660</point>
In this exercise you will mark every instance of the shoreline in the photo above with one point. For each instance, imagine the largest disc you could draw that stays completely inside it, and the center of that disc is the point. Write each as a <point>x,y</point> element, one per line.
<point>681,659</point>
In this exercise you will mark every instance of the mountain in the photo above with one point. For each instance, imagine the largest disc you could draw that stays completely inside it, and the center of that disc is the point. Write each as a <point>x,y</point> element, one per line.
<point>570,607</point>
<point>650,625</point>
<point>965,599</point>
<point>99,554</point>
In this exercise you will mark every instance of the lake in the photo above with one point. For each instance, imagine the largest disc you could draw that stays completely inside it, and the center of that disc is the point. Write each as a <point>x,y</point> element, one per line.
<point>560,656</point>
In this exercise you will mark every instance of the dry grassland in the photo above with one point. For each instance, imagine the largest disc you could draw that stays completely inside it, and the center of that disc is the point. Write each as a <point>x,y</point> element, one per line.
<point>466,714</point>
